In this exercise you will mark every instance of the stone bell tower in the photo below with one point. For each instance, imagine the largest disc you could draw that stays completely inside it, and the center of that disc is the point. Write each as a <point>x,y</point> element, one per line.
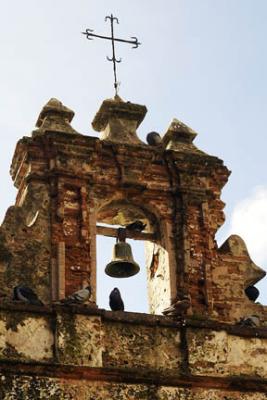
<point>69,185</point>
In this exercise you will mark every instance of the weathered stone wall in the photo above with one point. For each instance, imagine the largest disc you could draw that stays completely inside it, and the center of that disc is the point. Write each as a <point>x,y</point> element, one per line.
<point>220,354</point>
<point>86,353</point>
<point>141,346</point>
<point>25,234</point>
<point>67,183</point>
<point>28,388</point>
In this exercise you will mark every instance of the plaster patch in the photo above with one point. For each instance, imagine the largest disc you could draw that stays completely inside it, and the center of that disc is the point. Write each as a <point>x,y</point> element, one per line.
<point>33,338</point>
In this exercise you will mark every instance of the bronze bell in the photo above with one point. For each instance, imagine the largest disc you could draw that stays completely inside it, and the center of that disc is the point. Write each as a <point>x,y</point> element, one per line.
<point>122,264</point>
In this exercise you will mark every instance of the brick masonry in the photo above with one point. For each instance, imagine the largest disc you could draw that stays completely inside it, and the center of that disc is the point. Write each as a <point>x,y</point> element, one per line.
<point>67,183</point>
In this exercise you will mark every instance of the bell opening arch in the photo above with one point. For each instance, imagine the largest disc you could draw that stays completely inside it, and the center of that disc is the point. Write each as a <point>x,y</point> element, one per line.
<point>151,247</point>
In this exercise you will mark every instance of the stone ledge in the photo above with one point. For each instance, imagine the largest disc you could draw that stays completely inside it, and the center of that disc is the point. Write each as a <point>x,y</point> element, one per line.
<point>133,375</point>
<point>137,318</point>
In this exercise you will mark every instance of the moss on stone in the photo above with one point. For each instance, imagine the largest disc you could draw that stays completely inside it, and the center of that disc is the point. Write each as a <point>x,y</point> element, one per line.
<point>31,388</point>
<point>70,351</point>
<point>44,389</point>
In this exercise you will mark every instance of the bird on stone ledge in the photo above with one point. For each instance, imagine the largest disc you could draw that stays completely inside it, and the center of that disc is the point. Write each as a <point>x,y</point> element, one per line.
<point>252,293</point>
<point>153,138</point>
<point>26,295</point>
<point>137,226</point>
<point>78,297</point>
<point>180,305</point>
<point>115,300</point>
<point>251,321</point>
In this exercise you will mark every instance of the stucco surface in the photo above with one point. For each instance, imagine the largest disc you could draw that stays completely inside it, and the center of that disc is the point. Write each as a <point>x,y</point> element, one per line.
<point>220,354</point>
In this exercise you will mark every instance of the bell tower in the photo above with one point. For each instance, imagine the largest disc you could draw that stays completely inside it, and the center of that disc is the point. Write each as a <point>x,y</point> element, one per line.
<point>204,337</point>
<point>69,183</point>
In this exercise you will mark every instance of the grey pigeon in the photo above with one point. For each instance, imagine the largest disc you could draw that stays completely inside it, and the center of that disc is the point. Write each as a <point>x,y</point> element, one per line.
<point>115,300</point>
<point>180,305</point>
<point>252,293</point>
<point>137,226</point>
<point>26,295</point>
<point>153,138</point>
<point>79,297</point>
<point>252,321</point>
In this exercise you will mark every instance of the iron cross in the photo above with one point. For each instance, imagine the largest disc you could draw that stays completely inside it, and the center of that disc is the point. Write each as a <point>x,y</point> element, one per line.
<point>89,35</point>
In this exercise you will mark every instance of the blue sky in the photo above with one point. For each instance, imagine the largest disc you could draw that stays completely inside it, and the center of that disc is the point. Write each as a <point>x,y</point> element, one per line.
<point>201,61</point>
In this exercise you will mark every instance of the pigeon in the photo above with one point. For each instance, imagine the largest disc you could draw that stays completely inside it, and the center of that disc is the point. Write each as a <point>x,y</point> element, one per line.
<point>26,295</point>
<point>115,300</point>
<point>252,321</point>
<point>153,138</point>
<point>79,297</point>
<point>252,293</point>
<point>137,226</point>
<point>180,305</point>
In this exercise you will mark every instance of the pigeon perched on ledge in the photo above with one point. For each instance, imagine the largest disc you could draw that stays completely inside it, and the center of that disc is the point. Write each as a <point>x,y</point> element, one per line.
<point>252,293</point>
<point>79,297</point>
<point>153,138</point>
<point>26,295</point>
<point>137,226</point>
<point>180,305</point>
<point>115,300</point>
<point>251,321</point>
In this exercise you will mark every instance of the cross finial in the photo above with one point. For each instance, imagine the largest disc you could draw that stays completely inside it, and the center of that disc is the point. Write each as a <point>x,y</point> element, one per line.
<point>89,35</point>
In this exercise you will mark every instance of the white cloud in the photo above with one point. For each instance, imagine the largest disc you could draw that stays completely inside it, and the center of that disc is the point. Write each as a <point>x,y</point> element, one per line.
<point>249,220</point>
